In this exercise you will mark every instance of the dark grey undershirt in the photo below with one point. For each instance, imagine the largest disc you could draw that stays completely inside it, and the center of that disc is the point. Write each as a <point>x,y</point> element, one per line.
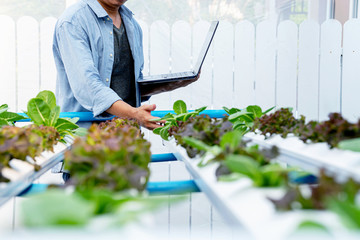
<point>123,77</point>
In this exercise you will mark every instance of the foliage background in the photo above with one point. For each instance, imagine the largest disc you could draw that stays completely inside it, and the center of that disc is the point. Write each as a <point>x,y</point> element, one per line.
<point>173,10</point>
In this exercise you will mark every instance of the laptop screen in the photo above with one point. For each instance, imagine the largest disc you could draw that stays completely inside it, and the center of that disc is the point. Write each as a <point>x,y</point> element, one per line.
<point>206,45</point>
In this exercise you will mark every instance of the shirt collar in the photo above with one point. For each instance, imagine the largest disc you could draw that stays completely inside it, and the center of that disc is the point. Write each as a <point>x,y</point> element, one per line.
<point>100,11</point>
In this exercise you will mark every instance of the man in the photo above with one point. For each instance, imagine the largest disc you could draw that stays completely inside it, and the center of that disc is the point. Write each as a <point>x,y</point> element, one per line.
<point>99,56</point>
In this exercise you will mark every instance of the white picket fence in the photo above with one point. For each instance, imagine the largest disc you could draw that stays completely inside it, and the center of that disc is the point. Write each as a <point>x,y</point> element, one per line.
<point>311,68</point>
<point>304,67</point>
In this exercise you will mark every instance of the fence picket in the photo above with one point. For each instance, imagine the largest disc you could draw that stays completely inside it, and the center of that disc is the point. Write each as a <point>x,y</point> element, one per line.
<point>203,87</point>
<point>308,76</point>
<point>200,206</point>
<point>330,54</point>
<point>28,60</point>
<point>244,67</point>
<point>48,69</point>
<point>265,64</point>
<point>223,66</point>
<point>181,58</point>
<point>287,59</point>
<point>159,58</point>
<point>146,47</point>
<point>351,71</point>
<point>7,63</point>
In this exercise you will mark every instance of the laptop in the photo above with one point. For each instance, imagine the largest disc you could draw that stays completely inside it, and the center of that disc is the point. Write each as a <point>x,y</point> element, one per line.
<point>171,77</point>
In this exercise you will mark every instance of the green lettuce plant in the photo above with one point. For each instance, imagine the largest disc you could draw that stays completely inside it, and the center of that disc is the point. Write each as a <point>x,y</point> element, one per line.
<point>112,156</point>
<point>243,119</point>
<point>181,115</point>
<point>31,140</point>
<point>200,127</point>
<point>320,195</point>
<point>8,118</point>
<point>43,110</point>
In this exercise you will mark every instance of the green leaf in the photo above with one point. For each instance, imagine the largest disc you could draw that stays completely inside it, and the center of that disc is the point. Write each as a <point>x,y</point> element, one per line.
<point>350,144</point>
<point>38,111</point>
<point>80,132</point>
<point>3,108</point>
<point>157,130</point>
<point>230,177</point>
<point>238,114</point>
<point>55,208</point>
<point>348,212</point>
<point>48,97</point>
<point>3,122</point>
<point>231,111</point>
<point>179,107</point>
<point>166,117</point>
<point>311,225</point>
<point>268,110</point>
<point>54,116</point>
<point>63,124</point>
<point>196,143</point>
<point>231,139</point>
<point>74,120</point>
<point>10,116</point>
<point>164,133</point>
<point>256,110</point>
<point>180,117</point>
<point>199,110</point>
<point>244,165</point>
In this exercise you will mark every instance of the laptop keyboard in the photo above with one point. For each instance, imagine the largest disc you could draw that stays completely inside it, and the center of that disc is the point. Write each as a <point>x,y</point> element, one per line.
<point>169,76</point>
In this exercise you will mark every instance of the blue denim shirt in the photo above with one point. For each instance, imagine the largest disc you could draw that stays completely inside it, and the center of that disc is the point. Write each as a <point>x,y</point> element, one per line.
<point>83,50</point>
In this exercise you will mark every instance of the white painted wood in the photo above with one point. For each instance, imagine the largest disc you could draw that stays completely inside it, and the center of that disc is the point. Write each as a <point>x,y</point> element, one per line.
<point>6,216</point>
<point>159,59</point>
<point>28,60</point>
<point>47,64</point>
<point>179,211</point>
<point>244,67</point>
<point>223,81</point>
<point>160,173</point>
<point>308,74</point>
<point>220,228</point>
<point>330,53</point>
<point>70,2</point>
<point>287,59</point>
<point>145,30</point>
<point>200,206</point>
<point>351,71</point>
<point>265,64</point>
<point>7,62</point>
<point>181,58</point>
<point>200,217</point>
<point>146,46</point>
<point>202,94</point>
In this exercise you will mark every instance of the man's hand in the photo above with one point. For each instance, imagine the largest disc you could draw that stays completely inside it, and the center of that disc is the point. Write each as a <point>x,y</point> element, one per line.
<point>152,89</point>
<point>143,115</point>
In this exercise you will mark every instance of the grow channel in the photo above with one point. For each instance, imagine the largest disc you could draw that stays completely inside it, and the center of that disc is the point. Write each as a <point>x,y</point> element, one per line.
<point>261,188</point>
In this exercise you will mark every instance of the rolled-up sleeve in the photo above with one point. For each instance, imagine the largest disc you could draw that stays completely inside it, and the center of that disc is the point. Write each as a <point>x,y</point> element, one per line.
<point>82,74</point>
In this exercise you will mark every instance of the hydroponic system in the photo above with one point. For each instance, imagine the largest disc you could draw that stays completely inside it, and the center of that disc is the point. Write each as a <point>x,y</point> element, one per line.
<point>265,144</point>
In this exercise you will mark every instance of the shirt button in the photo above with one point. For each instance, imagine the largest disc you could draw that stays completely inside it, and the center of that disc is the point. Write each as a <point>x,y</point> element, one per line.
<point>110,55</point>
<point>107,79</point>
<point>110,32</point>
<point>108,18</point>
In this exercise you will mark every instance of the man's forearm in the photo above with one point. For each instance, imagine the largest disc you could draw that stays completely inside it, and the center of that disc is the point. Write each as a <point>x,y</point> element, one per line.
<point>122,109</point>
